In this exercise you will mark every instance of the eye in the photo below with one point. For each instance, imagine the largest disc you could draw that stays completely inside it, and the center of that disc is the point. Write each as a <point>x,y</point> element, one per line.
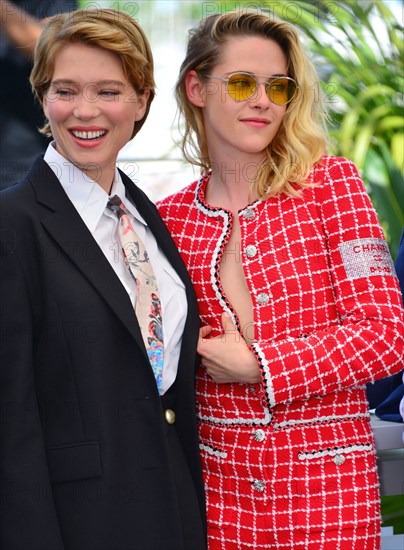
<point>60,94</point>
<point>109,93</point>
<point>279,87</point>
<point>64,92</point>
<point>240,82</point>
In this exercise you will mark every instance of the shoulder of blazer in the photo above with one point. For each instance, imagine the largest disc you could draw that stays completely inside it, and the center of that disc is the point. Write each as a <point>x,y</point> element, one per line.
<point>39,185</point>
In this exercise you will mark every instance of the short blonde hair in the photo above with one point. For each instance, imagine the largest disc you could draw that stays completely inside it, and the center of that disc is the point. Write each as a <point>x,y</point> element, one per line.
<point>302,138</point>
<point>104,28</point>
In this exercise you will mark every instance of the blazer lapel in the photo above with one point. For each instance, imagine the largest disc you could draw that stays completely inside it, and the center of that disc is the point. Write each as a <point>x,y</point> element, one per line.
<point>66,227</point>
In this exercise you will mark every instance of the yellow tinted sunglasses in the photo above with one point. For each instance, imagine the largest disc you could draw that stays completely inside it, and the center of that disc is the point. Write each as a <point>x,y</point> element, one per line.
<point>241,86</point>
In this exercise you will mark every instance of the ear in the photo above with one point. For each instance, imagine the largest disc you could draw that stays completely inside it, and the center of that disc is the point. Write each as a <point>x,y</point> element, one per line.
<point>141,104</point>
<point>195,89</point>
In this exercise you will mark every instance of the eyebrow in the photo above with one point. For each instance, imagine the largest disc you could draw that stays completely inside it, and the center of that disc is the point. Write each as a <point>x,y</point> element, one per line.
<point>106,82</point>
<point>257,75</point>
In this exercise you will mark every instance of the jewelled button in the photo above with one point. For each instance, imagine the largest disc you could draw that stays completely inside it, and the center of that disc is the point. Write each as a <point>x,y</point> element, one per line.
<point>263,298</point>
<point>259,435</point>
<point>248,213</point>
<point>259,485</point>
<point>250,251</point>
<point>338,459</point>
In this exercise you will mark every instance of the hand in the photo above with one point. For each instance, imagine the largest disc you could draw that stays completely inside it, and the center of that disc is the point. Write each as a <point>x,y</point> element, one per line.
<point>227,357</point>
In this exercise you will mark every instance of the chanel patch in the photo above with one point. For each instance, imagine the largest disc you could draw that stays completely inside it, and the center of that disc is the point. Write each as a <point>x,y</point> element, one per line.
<point>366,257</point>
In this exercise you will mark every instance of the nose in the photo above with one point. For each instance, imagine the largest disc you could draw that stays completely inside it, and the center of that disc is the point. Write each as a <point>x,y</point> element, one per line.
<point>260,98</point>
<point>86,105</point>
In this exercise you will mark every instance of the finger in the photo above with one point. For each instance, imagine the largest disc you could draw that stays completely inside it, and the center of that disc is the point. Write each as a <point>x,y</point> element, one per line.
<point>205,331</point>
<point>227,322</point>
<point>203,341</point>
<point>205,364</point>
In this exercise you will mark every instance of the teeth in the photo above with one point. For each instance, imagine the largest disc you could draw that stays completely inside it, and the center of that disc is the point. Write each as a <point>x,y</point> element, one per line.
<point>88,135</point>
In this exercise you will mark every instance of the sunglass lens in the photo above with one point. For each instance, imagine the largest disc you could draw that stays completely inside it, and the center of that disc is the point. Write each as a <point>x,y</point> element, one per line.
<point>241,86</point>
<point>281,91</point>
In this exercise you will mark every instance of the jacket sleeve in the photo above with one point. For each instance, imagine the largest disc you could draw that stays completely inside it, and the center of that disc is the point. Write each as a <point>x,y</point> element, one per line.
<point>367,341</point>
<point>28,518</point>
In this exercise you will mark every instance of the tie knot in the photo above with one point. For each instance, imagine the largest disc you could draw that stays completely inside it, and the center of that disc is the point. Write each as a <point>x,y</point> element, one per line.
<point>115,204</point>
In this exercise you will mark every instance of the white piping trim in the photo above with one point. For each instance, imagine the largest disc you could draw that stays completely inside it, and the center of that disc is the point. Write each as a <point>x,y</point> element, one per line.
<point>216,213</point>
<point>212,451</point>
<point>333,452</point>
<point>320,419</point>
<point>268,380</point>
<point>239,421</point>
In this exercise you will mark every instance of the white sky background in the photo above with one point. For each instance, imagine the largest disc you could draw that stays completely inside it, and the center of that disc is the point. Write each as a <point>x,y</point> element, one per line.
<point>167,32</point>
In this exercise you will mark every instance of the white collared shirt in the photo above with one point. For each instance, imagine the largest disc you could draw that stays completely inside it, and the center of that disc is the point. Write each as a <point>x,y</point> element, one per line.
<point>90,201</point>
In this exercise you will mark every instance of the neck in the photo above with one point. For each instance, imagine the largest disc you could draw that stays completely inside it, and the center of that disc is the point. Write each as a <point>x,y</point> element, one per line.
<point>231,184</point>
<point>104,177</point>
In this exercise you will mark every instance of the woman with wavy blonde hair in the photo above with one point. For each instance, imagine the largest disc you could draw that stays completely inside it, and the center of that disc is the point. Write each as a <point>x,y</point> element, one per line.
<point>298,299</point>
<point>301,140</point>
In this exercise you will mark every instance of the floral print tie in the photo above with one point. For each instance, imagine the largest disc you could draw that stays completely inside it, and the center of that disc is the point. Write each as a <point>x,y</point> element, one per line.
<point>148,306</point>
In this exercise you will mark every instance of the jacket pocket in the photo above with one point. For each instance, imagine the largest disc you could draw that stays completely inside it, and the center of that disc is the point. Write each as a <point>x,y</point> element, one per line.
<point>335,488</point>
<point>74,461</point>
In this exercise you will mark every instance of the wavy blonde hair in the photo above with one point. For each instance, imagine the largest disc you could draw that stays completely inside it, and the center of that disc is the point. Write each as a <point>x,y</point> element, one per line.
<point>302,138</point>
<point>103,28</point>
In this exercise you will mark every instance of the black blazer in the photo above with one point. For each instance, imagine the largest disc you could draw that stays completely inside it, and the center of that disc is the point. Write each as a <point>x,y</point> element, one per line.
<point>83,446</point>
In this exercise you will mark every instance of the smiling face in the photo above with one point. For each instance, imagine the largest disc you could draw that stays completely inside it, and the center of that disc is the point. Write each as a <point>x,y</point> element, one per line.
<point>91,108</point>
<point>240,130</point>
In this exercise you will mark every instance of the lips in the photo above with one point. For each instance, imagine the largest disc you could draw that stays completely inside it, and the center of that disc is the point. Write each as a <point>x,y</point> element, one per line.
<point>256,122</point>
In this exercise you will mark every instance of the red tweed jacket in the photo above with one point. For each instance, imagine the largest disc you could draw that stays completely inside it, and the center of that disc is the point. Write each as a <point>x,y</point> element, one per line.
<point>328,319</point>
